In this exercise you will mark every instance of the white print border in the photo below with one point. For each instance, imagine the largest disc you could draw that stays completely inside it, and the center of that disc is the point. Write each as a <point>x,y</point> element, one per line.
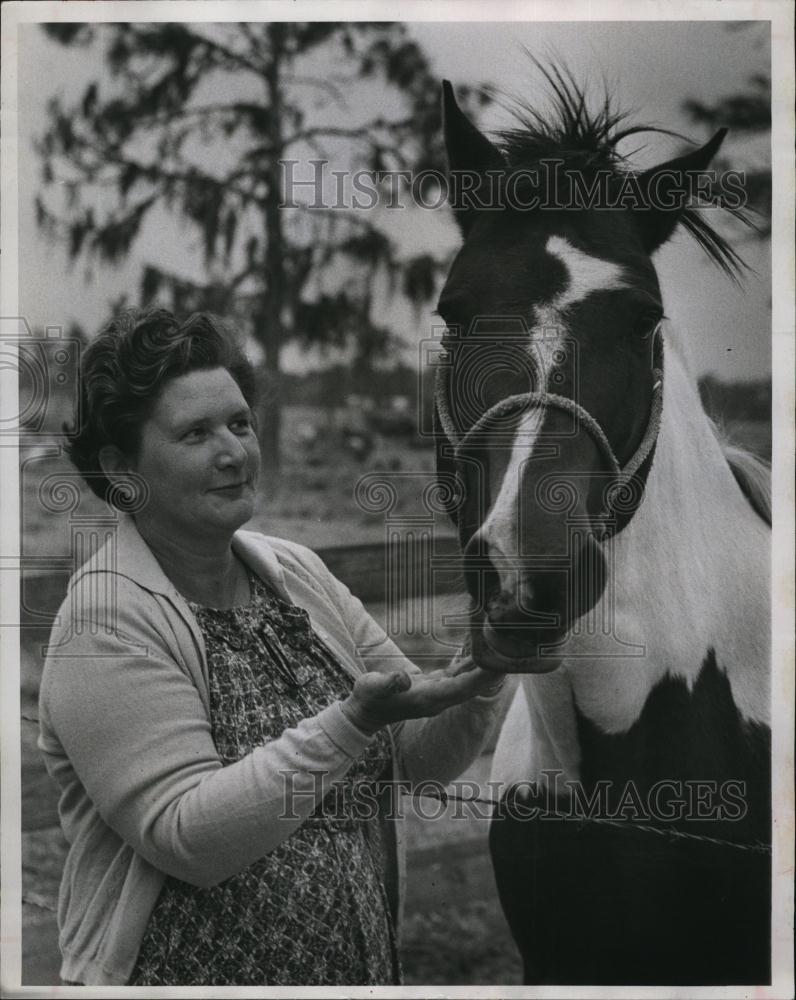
<point>780,15</point>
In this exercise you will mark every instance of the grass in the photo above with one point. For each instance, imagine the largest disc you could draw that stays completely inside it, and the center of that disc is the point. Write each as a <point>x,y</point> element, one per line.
<point>454,932</point>
<point>468,947</point>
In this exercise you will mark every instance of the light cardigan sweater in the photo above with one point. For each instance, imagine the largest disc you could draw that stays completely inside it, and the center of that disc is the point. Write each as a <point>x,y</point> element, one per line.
<point>125,732</point>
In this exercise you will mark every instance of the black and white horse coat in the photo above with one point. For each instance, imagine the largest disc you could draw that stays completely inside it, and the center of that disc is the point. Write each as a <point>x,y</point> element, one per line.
<point>632,841</point>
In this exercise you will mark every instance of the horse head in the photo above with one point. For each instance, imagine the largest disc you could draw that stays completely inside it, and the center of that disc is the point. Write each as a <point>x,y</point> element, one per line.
<point>549,397</point>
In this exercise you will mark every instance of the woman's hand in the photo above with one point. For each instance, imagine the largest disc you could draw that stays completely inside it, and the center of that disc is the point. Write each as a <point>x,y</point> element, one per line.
<point>485,682</point>
<point>379,700</point>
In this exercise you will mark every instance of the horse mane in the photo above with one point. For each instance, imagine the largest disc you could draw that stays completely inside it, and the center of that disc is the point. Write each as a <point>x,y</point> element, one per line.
<point>751,473</point>
<point>586,141</point>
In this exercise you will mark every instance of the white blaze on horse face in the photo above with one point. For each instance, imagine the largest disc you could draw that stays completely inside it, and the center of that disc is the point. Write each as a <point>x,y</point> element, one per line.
<point>585,275</point>
<point>500,530</point>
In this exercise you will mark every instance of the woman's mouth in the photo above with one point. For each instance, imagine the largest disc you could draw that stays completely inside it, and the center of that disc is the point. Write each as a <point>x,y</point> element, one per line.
<point>232,489</point>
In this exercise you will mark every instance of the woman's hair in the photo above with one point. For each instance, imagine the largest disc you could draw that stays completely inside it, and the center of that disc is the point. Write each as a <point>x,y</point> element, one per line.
<point>126,367</point>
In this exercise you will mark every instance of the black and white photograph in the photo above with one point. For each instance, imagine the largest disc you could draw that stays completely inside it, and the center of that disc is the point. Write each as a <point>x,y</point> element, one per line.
<point>397,513</point>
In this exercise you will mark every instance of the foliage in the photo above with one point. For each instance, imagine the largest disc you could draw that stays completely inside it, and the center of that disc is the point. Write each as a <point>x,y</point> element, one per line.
<point>750,401</point>
<point>196,118</point>
<point>746,113</point>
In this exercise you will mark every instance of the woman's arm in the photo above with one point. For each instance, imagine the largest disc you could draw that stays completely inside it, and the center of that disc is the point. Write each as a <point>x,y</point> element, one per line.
<point>134,733</point>
<point>430,748</point>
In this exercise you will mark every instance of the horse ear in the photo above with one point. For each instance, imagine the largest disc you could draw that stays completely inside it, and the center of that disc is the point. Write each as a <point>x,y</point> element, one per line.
<point>668,185</point>
<point>469,153</point>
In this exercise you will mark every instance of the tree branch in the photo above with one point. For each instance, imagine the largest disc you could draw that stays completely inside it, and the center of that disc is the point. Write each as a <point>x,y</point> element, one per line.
<point>231,54</point>
<point>156,172</point>
<point>205,110</point>
<point>328,132</point>
<point>327,85</point>
<point>359,132</point>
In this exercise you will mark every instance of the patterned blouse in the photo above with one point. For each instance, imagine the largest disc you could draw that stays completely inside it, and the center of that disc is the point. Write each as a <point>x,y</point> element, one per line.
<point>314,911</point>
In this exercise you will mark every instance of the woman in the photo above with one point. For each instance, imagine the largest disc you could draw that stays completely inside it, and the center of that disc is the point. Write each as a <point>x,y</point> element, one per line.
<point>215,703</point>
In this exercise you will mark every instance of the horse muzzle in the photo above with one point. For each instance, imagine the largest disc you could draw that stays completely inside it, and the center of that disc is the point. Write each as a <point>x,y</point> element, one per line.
<point>493,650</point>
<point>520,629</point>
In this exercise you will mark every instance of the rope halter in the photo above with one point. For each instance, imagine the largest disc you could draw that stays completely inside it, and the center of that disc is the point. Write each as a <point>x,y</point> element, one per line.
<point>624,494</point>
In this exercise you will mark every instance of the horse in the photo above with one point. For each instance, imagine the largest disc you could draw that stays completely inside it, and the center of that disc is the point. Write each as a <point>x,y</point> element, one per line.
<point>616,556</point>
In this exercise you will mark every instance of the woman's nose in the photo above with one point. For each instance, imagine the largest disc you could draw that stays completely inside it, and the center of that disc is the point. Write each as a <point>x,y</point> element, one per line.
<point>231,451</point>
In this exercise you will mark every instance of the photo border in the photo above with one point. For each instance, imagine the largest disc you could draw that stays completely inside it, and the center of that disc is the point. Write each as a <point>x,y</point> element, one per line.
<point>780,14</point>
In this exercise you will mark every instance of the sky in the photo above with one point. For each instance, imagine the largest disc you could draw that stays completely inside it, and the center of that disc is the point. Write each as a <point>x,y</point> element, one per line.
<point>652,66</point>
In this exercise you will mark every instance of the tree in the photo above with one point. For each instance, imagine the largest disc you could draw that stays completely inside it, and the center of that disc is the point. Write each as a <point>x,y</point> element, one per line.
<point>746,113</point>
<point>196,119</point>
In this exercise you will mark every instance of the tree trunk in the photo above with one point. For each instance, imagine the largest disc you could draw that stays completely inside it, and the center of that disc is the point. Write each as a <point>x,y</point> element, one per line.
<point>269,409</point>
<point>269,323</point>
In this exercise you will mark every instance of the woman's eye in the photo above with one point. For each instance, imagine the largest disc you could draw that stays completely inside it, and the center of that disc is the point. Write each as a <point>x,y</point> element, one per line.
<point>242,425</point>
<point>194,434</point>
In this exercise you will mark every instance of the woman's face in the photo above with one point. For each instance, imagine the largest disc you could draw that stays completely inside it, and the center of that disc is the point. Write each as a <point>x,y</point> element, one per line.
<point>199,456</point>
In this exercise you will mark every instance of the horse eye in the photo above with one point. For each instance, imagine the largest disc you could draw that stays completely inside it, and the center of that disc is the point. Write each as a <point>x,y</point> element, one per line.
<point>647,325</point>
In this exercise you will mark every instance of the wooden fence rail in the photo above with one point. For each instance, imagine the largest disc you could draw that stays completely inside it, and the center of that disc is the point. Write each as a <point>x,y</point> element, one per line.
<point>405,568</point>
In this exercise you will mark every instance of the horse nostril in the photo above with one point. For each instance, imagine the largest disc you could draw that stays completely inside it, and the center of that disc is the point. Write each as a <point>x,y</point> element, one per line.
<point>527,596</point>
<point>502,608</point>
